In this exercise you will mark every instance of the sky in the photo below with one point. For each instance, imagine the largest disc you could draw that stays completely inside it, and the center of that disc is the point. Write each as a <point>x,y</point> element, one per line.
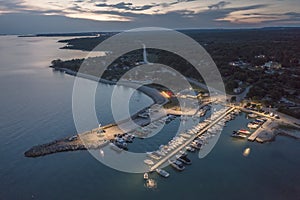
<point>53,16</point>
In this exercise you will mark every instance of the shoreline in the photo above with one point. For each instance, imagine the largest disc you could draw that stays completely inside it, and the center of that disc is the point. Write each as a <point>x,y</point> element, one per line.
<point>150,92</point>
<point>76,142</point>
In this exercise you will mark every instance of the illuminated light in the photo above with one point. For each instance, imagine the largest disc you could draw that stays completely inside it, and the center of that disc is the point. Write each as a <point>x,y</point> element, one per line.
<point>246,152</point>
<point>101,152</point>
<point>165,94</point>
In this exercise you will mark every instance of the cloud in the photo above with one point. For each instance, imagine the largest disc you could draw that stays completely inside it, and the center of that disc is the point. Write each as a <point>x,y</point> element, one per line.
<point>105,15</point>
<point>219,5</point>
<point>127,6</point>
<point>132,7</point>
<point>12,5</point>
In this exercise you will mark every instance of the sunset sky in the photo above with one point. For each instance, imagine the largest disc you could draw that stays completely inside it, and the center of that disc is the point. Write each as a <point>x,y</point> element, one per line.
<point>37,16</point>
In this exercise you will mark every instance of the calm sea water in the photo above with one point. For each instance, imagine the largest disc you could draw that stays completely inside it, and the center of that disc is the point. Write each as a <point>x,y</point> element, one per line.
<point>36,108</point>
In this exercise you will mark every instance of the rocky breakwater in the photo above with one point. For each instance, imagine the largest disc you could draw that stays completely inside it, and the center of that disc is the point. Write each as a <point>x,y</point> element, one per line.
<point>72,143</point>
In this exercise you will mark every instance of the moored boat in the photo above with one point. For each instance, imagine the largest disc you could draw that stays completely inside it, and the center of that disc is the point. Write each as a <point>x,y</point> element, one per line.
<point>191,149</point>
<point>153,155</point>
<point>146,176</point>
<point>253,125</point>
<point>243,131</point>
<point>162,172</point>
<point>252,115</point>
<point>177,165</point>
<point>148,162</point>
<point>237,135</point>
<point>115,148</point>
<point>184,159</point>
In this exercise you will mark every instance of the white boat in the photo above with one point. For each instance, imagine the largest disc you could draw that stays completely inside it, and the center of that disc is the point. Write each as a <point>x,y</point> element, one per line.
<point>148,162</point>
<point>237,135</point>
<point>243,131</point>
<point>162,172</point>
<point>253,126</point>
<point>115,148</point>
<point>185,135</point>
<point>146,176</point>
<point>191,149</point>
<point>153,155</point>
<point>252,115</point>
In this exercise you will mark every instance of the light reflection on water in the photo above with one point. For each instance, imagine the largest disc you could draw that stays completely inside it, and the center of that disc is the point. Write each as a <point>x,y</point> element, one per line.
<point>151,184</point>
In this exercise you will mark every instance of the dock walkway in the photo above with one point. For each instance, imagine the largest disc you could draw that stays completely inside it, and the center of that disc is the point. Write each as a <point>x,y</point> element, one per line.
<point>165,159</point>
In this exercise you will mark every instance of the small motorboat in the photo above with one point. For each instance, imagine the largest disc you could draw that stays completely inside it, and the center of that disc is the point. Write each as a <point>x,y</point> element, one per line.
<point>243,131</point>
<point>146,176</point>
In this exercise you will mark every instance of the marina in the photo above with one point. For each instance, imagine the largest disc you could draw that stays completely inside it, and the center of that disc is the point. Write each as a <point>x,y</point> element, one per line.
<point>76,174</point>
<point>202,129</point>
<point>257,132</point>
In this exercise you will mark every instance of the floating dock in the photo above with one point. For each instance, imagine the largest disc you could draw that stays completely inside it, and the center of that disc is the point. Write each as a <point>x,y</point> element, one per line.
<point>173,153</point>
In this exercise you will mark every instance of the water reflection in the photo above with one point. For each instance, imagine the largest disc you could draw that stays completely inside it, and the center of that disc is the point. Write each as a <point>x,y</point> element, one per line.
<point>151,184</point>
<point>246,152</point>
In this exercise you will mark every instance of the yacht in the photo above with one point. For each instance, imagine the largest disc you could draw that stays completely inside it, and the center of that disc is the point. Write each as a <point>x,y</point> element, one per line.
<point>237,135</point>
<point>184,159</point>
<point>154,155</point>
<point>253,125</point>
<point>121,145</point>
<point>191,149</point>
<point>148,162</point>
<point>162,172</point>
<point>177,165</point>
<point>196,145</point>
<point>252,115</point>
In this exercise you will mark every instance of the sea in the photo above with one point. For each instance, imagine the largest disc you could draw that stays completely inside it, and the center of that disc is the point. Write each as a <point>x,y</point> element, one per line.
<point>36,108</point>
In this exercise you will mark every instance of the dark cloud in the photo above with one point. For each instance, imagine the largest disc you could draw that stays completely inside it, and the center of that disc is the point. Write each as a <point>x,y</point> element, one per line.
<point>219,5</point>
<point>132,7</point>
<point>275,17</point>
<point>127,6</point>
<point>11,5</point>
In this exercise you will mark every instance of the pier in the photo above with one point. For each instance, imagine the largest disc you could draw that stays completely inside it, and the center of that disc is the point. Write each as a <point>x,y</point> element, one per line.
<point>256,133</point>
<point>173,153</point>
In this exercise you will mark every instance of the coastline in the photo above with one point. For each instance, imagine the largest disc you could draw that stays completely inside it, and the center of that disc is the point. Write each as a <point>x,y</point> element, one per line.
<point>150,92</point>
<point>76,142</point>
<point>92,140</point>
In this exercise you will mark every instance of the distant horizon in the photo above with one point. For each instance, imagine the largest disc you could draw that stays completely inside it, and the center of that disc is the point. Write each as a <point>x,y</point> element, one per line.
<point>20,17</point>
<point>117,31</point>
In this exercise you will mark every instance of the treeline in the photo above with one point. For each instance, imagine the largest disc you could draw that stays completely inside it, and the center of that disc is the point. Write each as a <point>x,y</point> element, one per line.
<point>281,45</point>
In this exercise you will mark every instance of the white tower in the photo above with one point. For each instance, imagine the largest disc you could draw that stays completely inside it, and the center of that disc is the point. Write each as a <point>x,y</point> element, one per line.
<point>145,54</point>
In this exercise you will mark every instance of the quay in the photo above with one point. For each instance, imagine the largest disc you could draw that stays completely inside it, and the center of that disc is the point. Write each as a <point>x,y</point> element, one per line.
<point>258,131</point>
<point>173,153</point>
